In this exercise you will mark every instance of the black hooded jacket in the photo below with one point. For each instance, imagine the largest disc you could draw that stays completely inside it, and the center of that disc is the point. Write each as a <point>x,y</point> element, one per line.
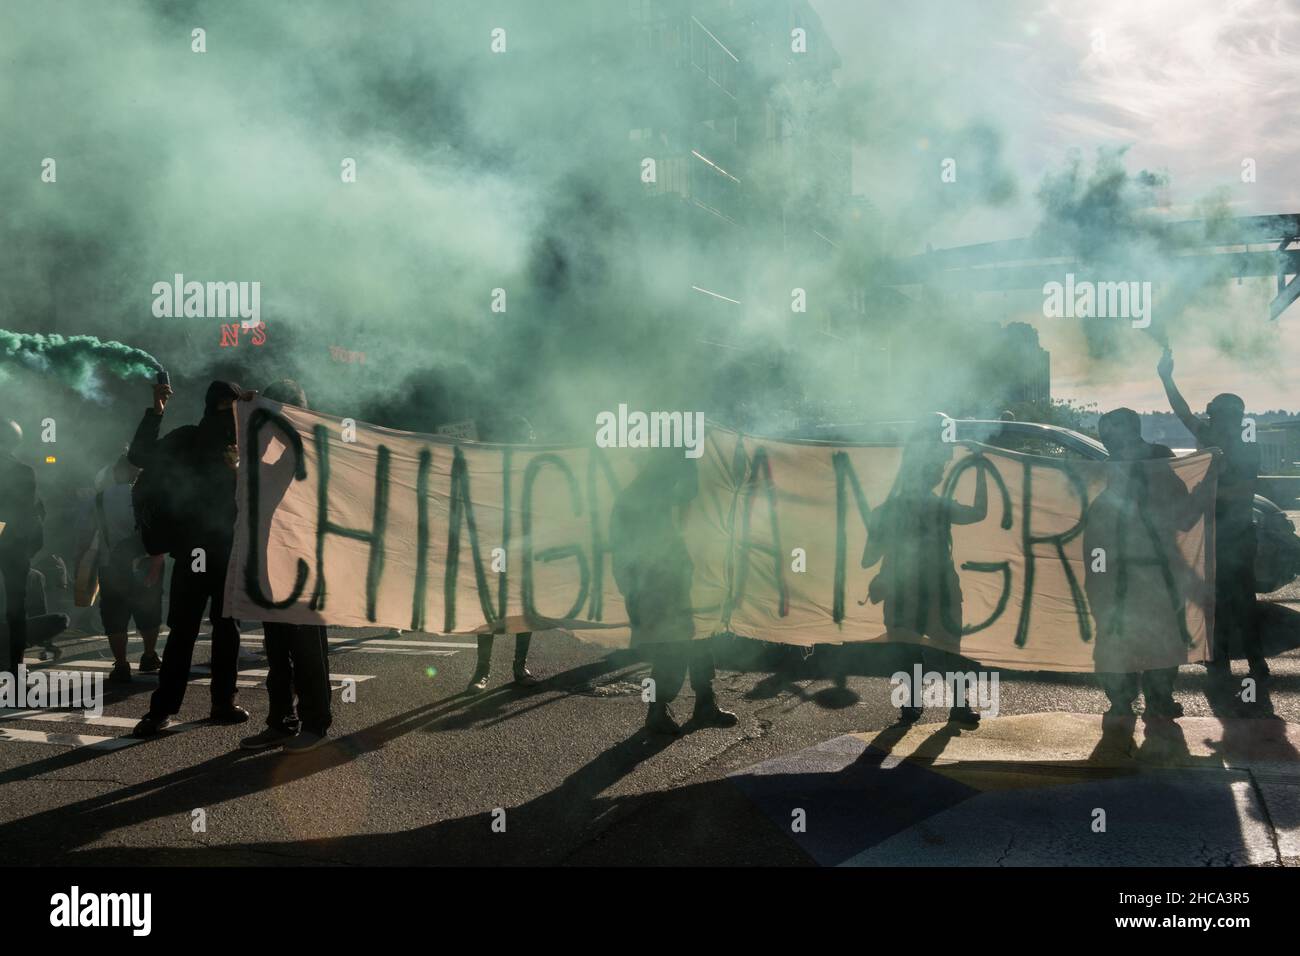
<point>201,486</point>
<point>19,509</point>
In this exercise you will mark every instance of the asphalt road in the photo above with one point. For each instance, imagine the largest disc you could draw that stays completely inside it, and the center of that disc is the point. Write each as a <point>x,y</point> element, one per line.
<point>417,768</point>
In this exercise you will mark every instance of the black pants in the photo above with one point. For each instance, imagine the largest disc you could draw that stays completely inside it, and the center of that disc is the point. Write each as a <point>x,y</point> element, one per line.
<point>1236,625</point>
<point>14,569</point>
<point>671,661</point>
<point>191,592</point>
<point>1122,689</point>
<point>940,661</point>
<point>297,660</point>
<point>522,642</point>
<point>41,629</point>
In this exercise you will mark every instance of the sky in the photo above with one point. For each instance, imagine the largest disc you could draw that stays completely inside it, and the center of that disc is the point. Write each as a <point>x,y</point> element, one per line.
<point>477,171</point>
<point>1189,88</point>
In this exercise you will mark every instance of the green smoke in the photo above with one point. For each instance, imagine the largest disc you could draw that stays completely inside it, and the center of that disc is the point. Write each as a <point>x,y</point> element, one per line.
<point>78,361</point>
<point>521,171</point>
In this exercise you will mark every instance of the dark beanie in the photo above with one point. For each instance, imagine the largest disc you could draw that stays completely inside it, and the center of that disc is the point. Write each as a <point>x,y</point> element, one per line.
<point>219,392</point>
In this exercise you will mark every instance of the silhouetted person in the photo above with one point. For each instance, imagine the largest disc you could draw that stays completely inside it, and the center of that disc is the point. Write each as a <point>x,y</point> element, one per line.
<point>1235,623</point>
<point>1004,437</point>
<point>516,431</point>
<point>653,570</point>
<point>1138,597</point>
<point>910,534</point>
<point>19,540</point>
<point>43,626</point>
<point>130,581</point>
<point>297,655</point>
<point>58,593</point>
<point>199,463</point>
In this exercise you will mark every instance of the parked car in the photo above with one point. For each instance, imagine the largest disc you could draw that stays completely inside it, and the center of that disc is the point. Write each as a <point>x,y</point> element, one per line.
<point>1277,562</point>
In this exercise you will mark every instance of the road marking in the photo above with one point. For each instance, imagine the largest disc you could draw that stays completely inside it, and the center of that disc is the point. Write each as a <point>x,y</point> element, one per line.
<point>398,646</point>
<point>76,741</point>
<point>66,716</point>
<point>382,642</point>
<point>199,669</point>
<point>138,675</point>
<point>72,741</point>
<point>358,678</point>
<point>401,651</point>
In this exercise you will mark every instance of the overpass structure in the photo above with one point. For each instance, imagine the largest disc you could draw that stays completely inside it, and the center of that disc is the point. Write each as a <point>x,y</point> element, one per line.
<point>1220,249</point>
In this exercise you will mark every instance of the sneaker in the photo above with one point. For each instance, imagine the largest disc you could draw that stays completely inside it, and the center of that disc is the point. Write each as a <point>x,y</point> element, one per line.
<point>303,742</point>
<point>1255,710</point>
<point>120,674</point>
<point>229,714</point>
<point>709,714</point>
<point>150,726</point>
<point>524,677</point>
<point>270,737</point>
<point>1223,702</point>
<point>150,662</point>
<point>659,720</point>
<point>909,715</point>
<point>1165,708</point>
<point>964,717</point>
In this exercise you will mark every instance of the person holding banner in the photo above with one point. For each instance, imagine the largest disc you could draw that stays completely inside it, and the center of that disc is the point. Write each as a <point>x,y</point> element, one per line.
<point>1235,623</point>
<point>910,535</point>
<point>516,431</point>
<point>1138,583</point>
<point>297,655</point>
<point>653,570</point>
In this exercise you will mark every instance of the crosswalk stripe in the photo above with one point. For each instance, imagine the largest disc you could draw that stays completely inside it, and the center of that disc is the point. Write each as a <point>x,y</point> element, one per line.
<point>198,669</point>
<point>382,642</point>
<point>195,674</point>
<point>65,740</point>
<point>77,741</point>
<point>66,716</point>
<point>402,651</point>
<point>205,638</point>
<point>367,645</point>
<point>358,678</point>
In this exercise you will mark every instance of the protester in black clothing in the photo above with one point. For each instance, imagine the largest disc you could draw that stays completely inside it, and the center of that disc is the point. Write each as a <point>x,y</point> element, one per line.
<point>910,535</point>
<point>58,592</point>
<point>517,431</point>
<point>200,463</point>
<point>42,625</point>
<point>1139,596</point>
<point>130,580</point>
<point>297,655</point>
<point>653,570</point>
<point>20,538</point>
<point>1235,623</point>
